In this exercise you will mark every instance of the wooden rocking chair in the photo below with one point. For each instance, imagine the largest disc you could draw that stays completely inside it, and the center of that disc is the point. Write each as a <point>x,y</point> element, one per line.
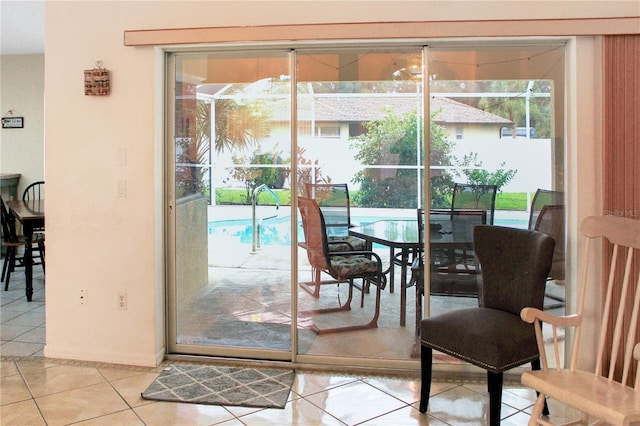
<point>603,393</point>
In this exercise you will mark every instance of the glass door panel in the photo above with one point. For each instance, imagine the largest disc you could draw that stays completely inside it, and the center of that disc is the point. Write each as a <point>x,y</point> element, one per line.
<point>231,291</point>
<point>497,118</point>
<point>359,121</point>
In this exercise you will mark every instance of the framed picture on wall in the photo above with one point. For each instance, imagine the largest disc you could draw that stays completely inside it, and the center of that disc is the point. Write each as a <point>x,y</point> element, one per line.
<point>12,122</point>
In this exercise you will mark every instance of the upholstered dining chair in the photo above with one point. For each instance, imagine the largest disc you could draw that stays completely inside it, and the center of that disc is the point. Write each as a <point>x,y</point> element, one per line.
<point>11,240</point>
<point>514,266</point>
<point>335,205</point>
<point>343,266</point>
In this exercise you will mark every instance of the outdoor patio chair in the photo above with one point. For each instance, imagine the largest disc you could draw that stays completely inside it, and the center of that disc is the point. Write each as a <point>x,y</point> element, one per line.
<point>605,392</point>
<point>514,264</point>
<point>343,266</point>
<point>470,196</point>
<point>547,215</point>
<point>450,274</point>
<point>333,200</point>
<point>543,197</point>
<point>12,241</point>
<point>453,263</point>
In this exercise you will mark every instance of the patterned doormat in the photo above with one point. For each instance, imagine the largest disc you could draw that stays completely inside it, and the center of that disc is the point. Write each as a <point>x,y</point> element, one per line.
<point>216,385</point>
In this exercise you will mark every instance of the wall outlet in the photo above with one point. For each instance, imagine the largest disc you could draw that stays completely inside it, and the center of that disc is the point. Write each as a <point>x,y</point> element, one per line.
<point>122,301</point>
<point>83,297</point>
<point>122,188</point>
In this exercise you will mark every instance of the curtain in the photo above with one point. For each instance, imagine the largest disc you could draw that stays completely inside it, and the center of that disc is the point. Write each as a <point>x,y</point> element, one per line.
<point>621,138</point>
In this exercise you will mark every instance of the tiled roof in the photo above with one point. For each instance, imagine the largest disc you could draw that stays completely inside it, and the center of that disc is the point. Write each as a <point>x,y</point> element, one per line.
<point>457,112</point>
<point>357,108</point>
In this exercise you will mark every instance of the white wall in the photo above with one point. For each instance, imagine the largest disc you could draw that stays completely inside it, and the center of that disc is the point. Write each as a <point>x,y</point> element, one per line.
<point>530,157</point>
<point>22,90</point>
<point>106,244</point>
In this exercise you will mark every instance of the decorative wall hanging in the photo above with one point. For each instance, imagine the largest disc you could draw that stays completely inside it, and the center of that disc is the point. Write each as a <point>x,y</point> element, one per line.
<point>96,81</point>
<point>12,120</point>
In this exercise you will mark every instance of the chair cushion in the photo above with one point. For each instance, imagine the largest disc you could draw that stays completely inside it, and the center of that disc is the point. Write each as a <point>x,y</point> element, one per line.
<point>489,338</point>
<point>351,243</point>
<point>351,266</point>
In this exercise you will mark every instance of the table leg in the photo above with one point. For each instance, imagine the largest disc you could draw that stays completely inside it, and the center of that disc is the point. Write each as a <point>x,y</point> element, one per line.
<point>403,286</point>
<point>28,259</point>
<point>391,274</point>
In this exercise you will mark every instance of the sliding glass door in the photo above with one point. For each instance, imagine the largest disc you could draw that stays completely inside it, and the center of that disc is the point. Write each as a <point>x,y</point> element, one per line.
<point>252,131</point>
<point>229,215</point>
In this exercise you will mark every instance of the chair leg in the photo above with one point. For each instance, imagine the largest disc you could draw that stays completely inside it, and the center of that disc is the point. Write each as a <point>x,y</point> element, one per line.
<point>535,365</point>
<point>538,407</point>
<point>41,250</point>
<point>313,287</point>
<point>494,381</point>
<point>426,365</point>
<point>373,323</point>
<point>5,265</point>
<point>9,264</point>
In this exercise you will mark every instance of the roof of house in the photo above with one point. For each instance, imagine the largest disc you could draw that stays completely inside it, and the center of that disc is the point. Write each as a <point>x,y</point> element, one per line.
<point>365,107</point>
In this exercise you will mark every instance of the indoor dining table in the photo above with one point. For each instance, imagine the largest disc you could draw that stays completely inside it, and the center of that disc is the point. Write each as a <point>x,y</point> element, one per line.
<point>30,213</point>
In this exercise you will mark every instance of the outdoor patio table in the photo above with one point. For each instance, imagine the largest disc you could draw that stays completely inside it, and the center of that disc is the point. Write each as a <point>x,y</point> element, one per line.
<point>30,213</point>
<point>402,234</point>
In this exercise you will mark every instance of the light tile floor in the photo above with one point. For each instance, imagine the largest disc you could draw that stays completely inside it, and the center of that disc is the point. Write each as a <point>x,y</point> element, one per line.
<point>35,390</point>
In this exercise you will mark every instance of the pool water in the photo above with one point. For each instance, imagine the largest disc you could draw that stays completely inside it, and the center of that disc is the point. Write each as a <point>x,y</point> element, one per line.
<point>276,230</point>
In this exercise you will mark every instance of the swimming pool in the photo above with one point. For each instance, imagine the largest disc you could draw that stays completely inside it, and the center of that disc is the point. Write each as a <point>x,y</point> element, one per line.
<point>277,230</point>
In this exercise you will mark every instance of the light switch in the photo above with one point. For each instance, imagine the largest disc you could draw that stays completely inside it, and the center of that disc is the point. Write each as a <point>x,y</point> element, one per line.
<point>122,156</point>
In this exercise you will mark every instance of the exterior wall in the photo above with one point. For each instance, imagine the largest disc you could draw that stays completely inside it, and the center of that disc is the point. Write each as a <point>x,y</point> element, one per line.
<point>531,158</point>
<point>192,245</point>
<point>107,244</point>
<point>472,131</point>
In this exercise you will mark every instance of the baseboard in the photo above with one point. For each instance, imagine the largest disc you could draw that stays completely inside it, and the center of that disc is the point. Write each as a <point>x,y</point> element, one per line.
<point>81,354</point>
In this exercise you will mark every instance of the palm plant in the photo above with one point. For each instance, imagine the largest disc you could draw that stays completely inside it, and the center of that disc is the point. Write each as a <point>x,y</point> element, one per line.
<point>238,125</point>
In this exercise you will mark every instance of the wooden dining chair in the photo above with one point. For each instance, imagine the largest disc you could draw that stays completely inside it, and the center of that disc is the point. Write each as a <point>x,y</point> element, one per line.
<point>34,191</point>
<point>12,241</point>
<point>607,391</point>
